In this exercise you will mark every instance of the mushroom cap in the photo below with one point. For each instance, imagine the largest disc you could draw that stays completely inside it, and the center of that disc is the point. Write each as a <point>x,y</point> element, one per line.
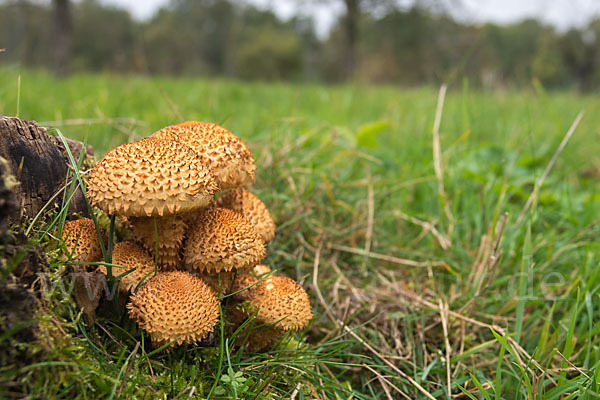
<point>171,230</point>
<point>242,285</point>
<point>130,255</point>
<point>229,157</point>
<point>252,208</point>
<point>222,240</point>
<point>175,305</point>
<point>219,282</point>
<point>261,269</point>
<point>151,177</point>
<point>279,300</point>
<point>81,239</point>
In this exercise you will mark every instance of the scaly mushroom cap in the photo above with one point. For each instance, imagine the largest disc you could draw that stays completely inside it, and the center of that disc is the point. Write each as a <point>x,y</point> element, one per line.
<point>81,240</point>
<point>171,230</point>
<point>175,305</point>
<point>279,300</point>
<point>222,240</point>
<point>230,158</point>
<point>130,255</point>
<point>252,208</point>
<point>151,177</point>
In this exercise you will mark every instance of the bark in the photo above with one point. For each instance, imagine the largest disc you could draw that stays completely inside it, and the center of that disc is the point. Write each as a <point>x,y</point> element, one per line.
<point>37,165</point>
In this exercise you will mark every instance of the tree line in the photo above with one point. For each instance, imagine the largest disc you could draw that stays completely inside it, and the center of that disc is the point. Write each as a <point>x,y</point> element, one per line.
<point>409,46</point>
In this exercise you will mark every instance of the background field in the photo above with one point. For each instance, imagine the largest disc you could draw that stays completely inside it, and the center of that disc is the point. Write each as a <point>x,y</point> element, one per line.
<point>348,173</point>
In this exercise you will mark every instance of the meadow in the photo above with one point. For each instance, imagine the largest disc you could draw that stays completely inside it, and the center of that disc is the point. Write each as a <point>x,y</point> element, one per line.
<point>450,260</point>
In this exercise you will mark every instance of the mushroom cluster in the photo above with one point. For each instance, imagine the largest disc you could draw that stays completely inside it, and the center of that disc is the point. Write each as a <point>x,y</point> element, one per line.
<point>198,234</point>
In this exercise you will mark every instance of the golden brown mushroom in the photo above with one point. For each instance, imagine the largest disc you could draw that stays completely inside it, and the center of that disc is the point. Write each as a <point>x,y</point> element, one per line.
<point>81,240</point>
<point>252,208</point>
<point>130,255</point>
<point>222,240</point>
<point>229,157</point>
<point>151,177</point>
<point>175,306</point>
<point>280,303</point>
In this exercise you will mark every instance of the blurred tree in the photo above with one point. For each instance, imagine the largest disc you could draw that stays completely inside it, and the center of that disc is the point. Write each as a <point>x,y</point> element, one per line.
<point>547,64</point>
<point>374,40</point>
<point>167,45</point>
<point>350,26</point>
<point>26,34</point>
<point>269,55</point>
<point>579,50</point>
<point>63,30</point>
<point>515,47</point>
<point>104,37</point>
<point>208,28</point>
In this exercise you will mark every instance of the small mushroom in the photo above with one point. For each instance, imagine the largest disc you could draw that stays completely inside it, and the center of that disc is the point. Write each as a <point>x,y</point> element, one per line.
<point>280,303</point>
<point>81,243</point>
<point>222,240</point>
<point>81,240</point>
<point>131,256</point>
<point>252,208</point>
<point>229,157</point>
<point>175,306</point>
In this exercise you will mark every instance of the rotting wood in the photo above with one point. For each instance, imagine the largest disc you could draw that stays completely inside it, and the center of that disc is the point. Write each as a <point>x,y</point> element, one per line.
<point>39,165</point>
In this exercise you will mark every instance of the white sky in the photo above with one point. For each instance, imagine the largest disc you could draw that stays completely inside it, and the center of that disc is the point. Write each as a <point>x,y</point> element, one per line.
<point>561,13</point>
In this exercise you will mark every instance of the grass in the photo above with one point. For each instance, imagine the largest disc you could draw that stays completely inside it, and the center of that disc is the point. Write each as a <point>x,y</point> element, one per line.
<point>411,300</point>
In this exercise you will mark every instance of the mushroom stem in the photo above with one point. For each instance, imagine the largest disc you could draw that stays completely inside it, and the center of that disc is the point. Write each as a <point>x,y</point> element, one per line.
<point>161,236</point>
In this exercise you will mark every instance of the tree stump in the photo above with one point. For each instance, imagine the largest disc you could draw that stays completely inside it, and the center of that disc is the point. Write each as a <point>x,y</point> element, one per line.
<point>36,168</point>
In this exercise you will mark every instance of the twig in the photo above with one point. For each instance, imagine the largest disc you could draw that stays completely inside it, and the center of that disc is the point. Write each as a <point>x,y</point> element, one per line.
<point>437,157</point>
<point>129,365</point>
<point>265,386</point>
<point>571,364</point>
<point>427,226</point>
<point>540,182</point>
<point>384,386</point>
<point>444,318</point>
<point>296,390</point>
<point>109,334</point>
<point>383,379</point>
<point>171,104</point>
<point>396,260</point>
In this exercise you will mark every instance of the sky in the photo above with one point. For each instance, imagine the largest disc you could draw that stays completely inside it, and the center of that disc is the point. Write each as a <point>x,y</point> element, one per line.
<point>561,13</point>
